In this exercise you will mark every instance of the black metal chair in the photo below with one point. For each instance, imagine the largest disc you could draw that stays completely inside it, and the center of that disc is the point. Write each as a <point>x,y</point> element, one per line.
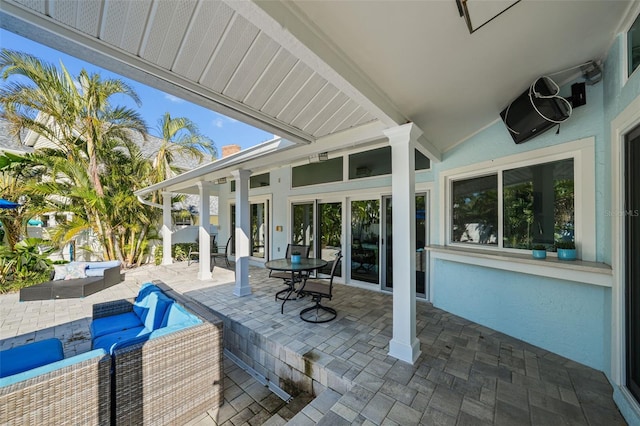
<point>286,276</point>
<point>194,252</point>
<point>319,290</point>
<point>221,255</point>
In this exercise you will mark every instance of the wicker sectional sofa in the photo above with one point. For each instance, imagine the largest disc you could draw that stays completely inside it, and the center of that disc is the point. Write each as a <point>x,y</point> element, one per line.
<point>99,276</point>
<point>166,375</point>
<point>40,387</point>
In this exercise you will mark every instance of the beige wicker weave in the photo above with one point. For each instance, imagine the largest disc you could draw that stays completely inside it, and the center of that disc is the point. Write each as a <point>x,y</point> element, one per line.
<point>79,394</point>
<point>173,378</point>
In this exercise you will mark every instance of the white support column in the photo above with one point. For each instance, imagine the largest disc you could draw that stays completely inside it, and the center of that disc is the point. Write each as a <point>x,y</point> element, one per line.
<point>404,344</point>
<point>204,246</point>
<point>166,229</point>
<point>242,232</point>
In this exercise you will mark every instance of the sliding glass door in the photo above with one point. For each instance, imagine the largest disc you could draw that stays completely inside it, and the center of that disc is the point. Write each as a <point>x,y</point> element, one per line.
<point>365,241</point>
<point>319,225</point>
<point>421,238</point>
<point>329,234</point>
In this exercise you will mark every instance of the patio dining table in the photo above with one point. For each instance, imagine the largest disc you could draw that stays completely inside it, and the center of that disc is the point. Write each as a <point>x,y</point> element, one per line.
<point>305,265</point>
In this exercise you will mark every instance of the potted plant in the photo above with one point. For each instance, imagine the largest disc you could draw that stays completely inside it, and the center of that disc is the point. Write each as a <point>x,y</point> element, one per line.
<point>295,257</point>
<point>566,250</point>
<point>539,251</point>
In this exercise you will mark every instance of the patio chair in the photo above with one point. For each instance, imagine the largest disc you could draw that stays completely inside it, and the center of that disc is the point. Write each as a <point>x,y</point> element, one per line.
<point>195,253</point>
<point>319,290</point>
<point>286,276</point>
<point>222,255</point>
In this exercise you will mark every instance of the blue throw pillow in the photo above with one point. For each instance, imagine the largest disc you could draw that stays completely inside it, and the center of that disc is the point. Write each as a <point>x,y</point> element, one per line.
<point>151,309</point>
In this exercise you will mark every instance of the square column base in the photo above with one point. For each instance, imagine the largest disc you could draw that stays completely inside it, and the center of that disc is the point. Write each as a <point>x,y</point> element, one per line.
<point>405,352</point>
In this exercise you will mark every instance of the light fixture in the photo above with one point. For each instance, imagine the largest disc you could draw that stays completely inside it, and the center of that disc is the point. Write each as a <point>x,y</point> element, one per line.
<point>477,13</point>
<point>319,157</point>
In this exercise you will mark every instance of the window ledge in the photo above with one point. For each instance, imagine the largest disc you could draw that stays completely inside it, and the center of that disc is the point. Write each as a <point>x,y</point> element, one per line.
<point>579,271</point>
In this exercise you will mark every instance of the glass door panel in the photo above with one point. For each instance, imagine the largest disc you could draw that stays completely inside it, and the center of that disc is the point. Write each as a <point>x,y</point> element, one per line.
<point>258,229</point>
<point>302,226</point>
<point>365,238</point>
<point>330,234</point>
<point>632,261</point>
<point>421,238</point>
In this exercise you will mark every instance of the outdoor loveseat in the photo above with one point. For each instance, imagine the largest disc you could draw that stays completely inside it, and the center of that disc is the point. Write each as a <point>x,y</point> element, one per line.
<point>39,386</point>
<point>77,279</point>
<point>166,351</point>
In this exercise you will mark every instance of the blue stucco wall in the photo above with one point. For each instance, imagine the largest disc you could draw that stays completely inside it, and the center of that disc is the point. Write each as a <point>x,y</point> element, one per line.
<point>568,318</point>
<point>562,316</point>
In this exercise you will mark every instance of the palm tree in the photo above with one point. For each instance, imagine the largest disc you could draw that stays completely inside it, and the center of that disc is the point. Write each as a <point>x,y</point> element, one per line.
<point>77,117</point>
<point>180,137</point>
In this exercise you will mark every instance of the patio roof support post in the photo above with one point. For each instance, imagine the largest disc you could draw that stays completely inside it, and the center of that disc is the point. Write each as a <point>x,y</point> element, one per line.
<point>204,246</point>
<point>404,344</point>
<point>166,229</point>
<point>242,232</point>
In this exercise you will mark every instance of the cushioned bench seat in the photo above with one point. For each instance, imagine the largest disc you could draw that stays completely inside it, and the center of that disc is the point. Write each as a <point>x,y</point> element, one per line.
<point>26,357</point>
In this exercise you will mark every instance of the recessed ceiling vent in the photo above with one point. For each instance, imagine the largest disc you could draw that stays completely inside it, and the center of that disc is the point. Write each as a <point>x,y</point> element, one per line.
<point>478,13</point>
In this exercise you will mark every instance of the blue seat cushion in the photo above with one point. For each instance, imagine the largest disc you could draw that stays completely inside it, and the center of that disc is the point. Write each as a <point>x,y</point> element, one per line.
<point>48,368</point>
<point>32,355</point>
<point>151,309</point>
<point>176,314</point>
<point>107,341</point>
<point>114,323</point>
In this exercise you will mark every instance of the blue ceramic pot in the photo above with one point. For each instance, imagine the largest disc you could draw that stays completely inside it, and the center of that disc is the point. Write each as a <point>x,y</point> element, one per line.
<point>539,254</point>
<point>567,254</point>
<point>295,258</point>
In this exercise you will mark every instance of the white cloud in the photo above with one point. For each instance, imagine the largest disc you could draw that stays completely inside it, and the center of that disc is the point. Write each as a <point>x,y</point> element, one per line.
<point>172,98</point>
<point>218,122</point>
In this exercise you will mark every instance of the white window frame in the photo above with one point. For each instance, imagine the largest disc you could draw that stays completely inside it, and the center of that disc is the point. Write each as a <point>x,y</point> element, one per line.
<point>624,51</point>
<point>583,154</point>
<point>255,200</point>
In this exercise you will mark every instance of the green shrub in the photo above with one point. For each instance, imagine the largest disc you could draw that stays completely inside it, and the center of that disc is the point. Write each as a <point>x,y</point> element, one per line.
<point>180,251</point>
<point>569,245</point>
<point>26,265</point>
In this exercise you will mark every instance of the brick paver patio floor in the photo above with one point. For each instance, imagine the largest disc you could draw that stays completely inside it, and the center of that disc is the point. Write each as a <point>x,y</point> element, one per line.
<point>467,374</point>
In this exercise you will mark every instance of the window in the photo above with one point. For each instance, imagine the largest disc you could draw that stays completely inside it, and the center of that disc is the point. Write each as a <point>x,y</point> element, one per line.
<point>257,181</point>
<point>259,223</point>
<point>475,210</point>
<point>377,162</point>
<point>317,173</point>
<point>633,46</point>
<point>537,206</point>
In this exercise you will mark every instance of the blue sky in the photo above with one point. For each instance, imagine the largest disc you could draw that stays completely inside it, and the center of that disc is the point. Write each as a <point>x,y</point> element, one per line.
<point>219,128</point>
